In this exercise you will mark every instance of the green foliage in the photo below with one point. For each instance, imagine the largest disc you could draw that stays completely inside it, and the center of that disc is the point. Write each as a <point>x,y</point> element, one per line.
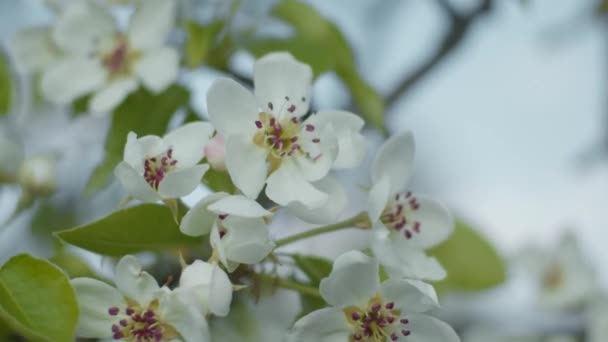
<point>144,227</point>
<point>219,181</point>
<point>143,113</point>
<point>470,260</point>
<point>318,42</point>
<point>315,267</point>
<point>37,300</point>
<point>202,45</point>
<point>73,265</point>
<point>6,87</point>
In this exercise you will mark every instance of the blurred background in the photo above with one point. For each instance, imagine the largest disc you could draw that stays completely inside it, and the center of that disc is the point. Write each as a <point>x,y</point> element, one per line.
<point>507,100</point>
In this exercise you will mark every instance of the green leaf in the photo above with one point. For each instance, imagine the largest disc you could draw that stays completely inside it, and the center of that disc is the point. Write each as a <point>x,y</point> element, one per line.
<point>314,35</point>
<point>6,87</point>
<point>37,300</point>
<point>73,265</point>
<point>200,42</point>
<point>470,260</point>
<point>219,181</point>
<point>141,228</point>
<point>315,267</point>
<point>143,113</point>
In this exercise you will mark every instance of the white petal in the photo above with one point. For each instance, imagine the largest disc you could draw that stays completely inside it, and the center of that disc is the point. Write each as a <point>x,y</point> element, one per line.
<point>151,23</point>
<point>436,223</point>
<point>328,213</point>
<point>157,69</point>
<point>33,48</point>
<point>278,76</point>
<point>133,152</point>
<point>424,328</point>
<point>95,298</point>
<point>246,240</point>
<point>378,199</point>
<point>320,156</point>
<point>395,158</point>
<point>232,108</point>
<point>199,219</point>
<point>110,96</point>
<point>80,27</point>
<point>209,286</point>
<point>70,78</point>
<point>286,185</point>
<point>180,183</point>
<point>353,280</point>
<point>325,325</point>
<point>239,205</point>
<point>410,295</point>
<point>151,145</point>
<point>134,183</point>
<point>187,321</point>
<point>347,129</point>
<point>246,165</point>
<point>133,282</point>
<point>399,262</point>
<point>220,292</point>
<point>188,142</point>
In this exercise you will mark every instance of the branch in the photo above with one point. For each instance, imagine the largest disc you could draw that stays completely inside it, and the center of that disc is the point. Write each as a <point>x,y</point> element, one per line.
<point>459,27</point>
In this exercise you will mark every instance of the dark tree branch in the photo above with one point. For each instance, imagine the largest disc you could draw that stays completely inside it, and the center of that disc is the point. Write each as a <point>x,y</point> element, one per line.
<point>459,27</point>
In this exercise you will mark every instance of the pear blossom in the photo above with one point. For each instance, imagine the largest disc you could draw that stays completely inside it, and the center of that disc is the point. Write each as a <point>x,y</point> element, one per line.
<point>362,309</point>
<point>37,174</point>
<point>137,310</point>
<point>155,168</point>
<point>565,278</point>
<point>206,286</point>
<point>238,233</point>
<point>404,224</point>
<point>84,52</point>
<point>271,141</point>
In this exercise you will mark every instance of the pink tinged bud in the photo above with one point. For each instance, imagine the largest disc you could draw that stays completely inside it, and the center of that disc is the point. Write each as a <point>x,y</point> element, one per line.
<point>215,151</point>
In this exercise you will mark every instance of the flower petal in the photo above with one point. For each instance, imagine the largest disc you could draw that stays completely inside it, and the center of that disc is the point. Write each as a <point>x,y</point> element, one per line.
<point>410,295</point>
<point>353,280</point>
<point>33,48</point>
<point>95,298</point>
<point>187,321</point>
<point>246,164</point>
<point>399,262</point>
<point>283,81</point>
<point>180,183</point>
<point>395,158</point>
<point>424,328</point>
<point>157,69</point>
<point>347,126</point>
<point>286,185</point>
<point>246,240</point>
<point>199,219</point>
<point>232,108</point>
<point>325,325</point>
<point>208,285</point>
<point>70,78</point>
<point>134,183</point>
<point>240,206</point>
<point>151,23</point>
<point>80,27</point>
<point>188,142</point>
<point>436,223</point>
<point>109,97</point>
<point>133,282</point>
<point>319,157</point>
<point>378,199</point>
<point>325,214</point>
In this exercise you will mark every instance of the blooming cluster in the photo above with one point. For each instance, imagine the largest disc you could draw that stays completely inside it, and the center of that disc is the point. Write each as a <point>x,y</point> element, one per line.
<point>278,154</point>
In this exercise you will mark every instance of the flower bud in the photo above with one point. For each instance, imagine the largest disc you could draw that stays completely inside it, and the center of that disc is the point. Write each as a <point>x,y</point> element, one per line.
<point>215,151</point>
<point>37,175</point>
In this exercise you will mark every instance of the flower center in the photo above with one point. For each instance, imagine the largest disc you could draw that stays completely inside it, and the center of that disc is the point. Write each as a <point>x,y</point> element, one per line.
<point>377,322</point>
<point>140,325</point>
<point>283,134</point>
<point>156,168</point>
<point>119,59</point>
<point>395,214</point>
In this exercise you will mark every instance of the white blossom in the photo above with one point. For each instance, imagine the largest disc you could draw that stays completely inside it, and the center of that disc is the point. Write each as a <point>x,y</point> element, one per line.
<point>136,310</point>
<point>155,168</point>
<point>404,224</point>
<point>363,309</point>
<point>238,233</point>
<point>270,140</point>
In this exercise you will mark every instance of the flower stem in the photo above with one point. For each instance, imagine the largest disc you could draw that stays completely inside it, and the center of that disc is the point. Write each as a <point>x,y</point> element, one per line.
<point>291,285</point>
<point>358,221</point>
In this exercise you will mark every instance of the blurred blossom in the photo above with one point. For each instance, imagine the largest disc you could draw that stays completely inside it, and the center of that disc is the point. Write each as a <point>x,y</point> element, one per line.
<point>38,175</point>
<point>597,319</point>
